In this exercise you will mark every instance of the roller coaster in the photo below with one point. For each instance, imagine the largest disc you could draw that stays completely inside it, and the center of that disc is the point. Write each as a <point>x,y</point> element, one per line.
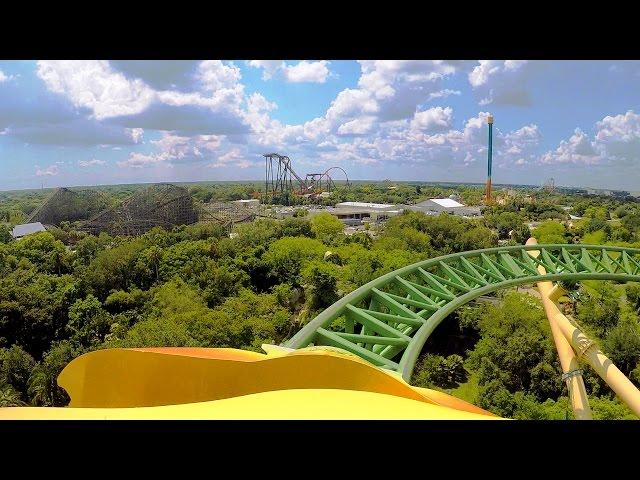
<point>281,180</point>
<point>355,359</point>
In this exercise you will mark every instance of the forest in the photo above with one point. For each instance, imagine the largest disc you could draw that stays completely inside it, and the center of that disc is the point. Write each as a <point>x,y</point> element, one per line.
<point>64,292</point>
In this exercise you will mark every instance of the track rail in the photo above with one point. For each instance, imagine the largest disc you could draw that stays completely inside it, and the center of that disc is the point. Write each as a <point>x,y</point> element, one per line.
<point>388,320</point>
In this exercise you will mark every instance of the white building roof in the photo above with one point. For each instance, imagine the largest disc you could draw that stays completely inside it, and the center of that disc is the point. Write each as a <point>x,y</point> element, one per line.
<point>447,202</point>
<point>26,229</point>
<point>375,206</point>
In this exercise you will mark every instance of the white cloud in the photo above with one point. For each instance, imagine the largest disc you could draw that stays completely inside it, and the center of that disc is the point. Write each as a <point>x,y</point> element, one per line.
<point>270,67</point>
<point>160,74</point>
<point>90,163</point>
<point>620,127</point>
<point>391,90</point>
<point>616,141</point>
<point>257,103</point>
<point>359,126</point>
<point>175,149</point>
<point>139,160</point>
<point>350,103</point>
<point>94,85</point>
<point>3,77</point>
<point>444,93</point>
<point>304,71</point>
<point>50,171</point>
<point>215,75</point>
<point>502,82</point>
<point>109,95</point>
<point>433,120</point>
<point>233,158</point>
<point>77,132</point>
<point>578,150</point>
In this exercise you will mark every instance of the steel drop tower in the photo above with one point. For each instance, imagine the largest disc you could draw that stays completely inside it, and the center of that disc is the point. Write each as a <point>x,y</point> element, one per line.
<point>489,159</point>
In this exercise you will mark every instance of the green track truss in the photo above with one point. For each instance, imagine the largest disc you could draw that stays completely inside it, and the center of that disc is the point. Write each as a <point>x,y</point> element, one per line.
<point>388,320</point>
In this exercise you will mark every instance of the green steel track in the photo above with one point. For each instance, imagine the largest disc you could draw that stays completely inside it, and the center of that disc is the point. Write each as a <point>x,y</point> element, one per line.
<point>388,320</point>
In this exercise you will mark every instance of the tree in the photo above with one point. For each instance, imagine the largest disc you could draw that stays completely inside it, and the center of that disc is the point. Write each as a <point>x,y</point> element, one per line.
<point>598,307</point>
<point>9,397</point>
<point>598,213</point>
<point>610,409</point>
<point>515,352</point>
<point>43,387</point>
<point>15,367</point>
<point>521,233</point>
<point>595,224</point>
<point>34,308</point>
<point>114,268</point>
<point>88,322</point>
<point>297,227</point>
<point>446,233</point>
<point>439,371</point>
<point>550,231</point>
<point>505,222</point>
<point>286,257</point>
<point>326,226</point>
<point>87,249</point>
<point>632,222</point>
<point>622,345</point>
<point>321,279</point>
<point>44,251</point>
<point>5,234</point>
<point>179,316</point>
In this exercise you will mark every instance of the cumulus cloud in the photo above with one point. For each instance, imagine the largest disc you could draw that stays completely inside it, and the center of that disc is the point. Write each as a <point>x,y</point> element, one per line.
<point>359,126</point>
<point>91,163</point>
<point>443,93</point>
<point>175,149</point>
<point>159,74</point>
<point>304,71</point>
<point>616,141</point>
<point>233,158</point>
<point>619,136</point>
<point>433,120</point>
<point>502,82</point>
<point>3,77</point>
<point>109,95</point>
<point>139,160</point>
<point>41,117</point>
<point>215,75</point>
<point>50,171</point>
<point>94,85</point>
<point>391,90</point>
<point>77,132</point>
<point>269,67</point>
<point>186,120</point>
<point>314,72</point>
<point>578,149</point>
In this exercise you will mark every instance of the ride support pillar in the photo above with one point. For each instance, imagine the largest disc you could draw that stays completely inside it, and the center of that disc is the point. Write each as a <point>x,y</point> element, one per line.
<point>570,368</point>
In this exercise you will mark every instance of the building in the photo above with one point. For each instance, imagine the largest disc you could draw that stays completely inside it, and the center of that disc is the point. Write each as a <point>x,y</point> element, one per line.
<point>20,231</point>
<point>436,206</point>
<point>356,213</point>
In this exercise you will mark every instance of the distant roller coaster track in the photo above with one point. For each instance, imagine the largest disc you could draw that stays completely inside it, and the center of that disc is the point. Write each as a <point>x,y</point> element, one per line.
<point>388,320</point>
<point>280,178</point>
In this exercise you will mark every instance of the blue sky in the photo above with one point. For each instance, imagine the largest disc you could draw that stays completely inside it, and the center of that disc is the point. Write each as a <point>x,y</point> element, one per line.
<point>66,123</point>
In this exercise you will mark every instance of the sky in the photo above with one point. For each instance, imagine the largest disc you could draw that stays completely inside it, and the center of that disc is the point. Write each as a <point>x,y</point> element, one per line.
<point>97,122</point>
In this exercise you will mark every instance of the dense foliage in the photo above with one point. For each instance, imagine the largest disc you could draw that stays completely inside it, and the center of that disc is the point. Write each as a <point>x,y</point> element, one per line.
<point>63,293</point>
